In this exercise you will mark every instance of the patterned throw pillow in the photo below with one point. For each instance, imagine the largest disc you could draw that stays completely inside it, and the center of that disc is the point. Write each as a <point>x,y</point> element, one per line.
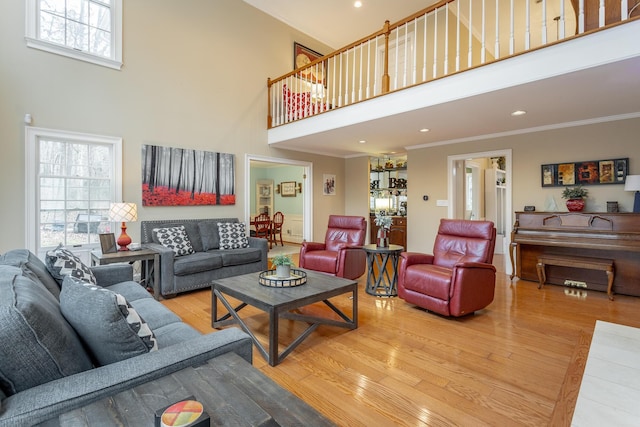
<point>112,329</point>
<point>232,235</point>
<point>176,239</point>
<point>62,262</point>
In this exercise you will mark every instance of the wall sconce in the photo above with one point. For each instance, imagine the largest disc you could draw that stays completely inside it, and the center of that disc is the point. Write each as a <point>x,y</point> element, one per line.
<point>300,187</point>
<point>278,189</point>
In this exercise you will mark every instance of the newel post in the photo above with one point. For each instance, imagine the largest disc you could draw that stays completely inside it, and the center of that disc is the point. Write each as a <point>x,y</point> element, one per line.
<point>385,75</point>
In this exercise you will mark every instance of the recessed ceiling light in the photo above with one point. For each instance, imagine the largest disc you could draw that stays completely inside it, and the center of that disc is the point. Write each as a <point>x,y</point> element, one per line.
<point>518,113</point>
<point>357,4</point>
<point>362,141</point>
<point>423,130</point>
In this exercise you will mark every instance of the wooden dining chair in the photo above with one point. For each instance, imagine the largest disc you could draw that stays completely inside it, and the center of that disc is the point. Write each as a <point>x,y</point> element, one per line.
<point>262,226</point>
<point>276,228</point>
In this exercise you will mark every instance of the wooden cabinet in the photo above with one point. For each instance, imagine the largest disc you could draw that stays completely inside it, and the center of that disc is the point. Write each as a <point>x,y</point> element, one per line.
<point>397,233</point>
<point>264,196</point>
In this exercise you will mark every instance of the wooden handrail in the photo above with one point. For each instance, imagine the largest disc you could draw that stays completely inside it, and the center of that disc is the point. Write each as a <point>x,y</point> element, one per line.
<point>346,87</point>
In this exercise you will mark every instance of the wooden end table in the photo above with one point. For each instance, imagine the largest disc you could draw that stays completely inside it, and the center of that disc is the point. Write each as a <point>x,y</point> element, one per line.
<point>382,284</point>
<point>149,273</point>
<point>282,303</point>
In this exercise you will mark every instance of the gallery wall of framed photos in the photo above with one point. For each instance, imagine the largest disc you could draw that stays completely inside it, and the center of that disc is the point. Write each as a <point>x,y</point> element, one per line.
<point>594,172</point>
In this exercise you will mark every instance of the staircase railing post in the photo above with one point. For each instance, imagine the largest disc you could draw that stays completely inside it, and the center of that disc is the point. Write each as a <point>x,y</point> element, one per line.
<point>385,74</point>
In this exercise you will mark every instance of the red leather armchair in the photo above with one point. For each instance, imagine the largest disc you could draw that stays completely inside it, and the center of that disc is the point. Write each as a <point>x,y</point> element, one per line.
<point>341,254</point>
<point>458,278</point>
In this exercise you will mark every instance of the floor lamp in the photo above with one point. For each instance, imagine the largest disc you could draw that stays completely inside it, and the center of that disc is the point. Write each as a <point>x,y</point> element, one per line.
<point>632,183</point>
<point>125,212</point>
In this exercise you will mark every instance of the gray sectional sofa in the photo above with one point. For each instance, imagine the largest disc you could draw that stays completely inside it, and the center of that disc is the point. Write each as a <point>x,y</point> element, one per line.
<point>54,355</point>
<point>208,260</point>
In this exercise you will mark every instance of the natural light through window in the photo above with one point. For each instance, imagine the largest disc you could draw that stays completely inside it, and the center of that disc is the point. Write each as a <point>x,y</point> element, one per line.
<point>89,30</point>
<point>75,180</point>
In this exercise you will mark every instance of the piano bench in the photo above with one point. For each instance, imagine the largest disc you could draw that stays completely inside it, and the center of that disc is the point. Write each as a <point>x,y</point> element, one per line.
<point>600,264</point>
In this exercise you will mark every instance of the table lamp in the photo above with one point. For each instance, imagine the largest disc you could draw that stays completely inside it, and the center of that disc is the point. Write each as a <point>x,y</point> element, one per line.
<point>632,183</point>
<point>124,212</point>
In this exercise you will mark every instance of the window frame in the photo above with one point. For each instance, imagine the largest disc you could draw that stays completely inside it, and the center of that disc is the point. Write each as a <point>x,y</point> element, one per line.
<point>32,172</point>
<point>32,15</point>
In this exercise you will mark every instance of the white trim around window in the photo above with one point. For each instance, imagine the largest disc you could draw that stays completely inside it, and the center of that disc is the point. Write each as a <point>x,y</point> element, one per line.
<point>32,14</point>
<point>32,163</point>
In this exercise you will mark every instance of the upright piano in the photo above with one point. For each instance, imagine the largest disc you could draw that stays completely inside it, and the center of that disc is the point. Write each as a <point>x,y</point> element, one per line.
<point>613,236</point>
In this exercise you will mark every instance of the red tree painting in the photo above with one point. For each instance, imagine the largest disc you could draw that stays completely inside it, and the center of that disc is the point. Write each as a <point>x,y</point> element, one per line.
<point>183,177</point>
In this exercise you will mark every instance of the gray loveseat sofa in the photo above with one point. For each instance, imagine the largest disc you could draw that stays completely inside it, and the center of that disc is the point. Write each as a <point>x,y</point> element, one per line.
<point>47,366</point>
<point>208,261</point>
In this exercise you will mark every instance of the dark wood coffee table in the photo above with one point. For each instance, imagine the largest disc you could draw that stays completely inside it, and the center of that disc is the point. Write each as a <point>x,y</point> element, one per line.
<point>232,392</point>
<point>281,303</point>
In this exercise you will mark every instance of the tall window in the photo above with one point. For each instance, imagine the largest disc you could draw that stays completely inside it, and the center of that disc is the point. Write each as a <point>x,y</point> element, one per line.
<point>71,181</point>
<point>89,30</point>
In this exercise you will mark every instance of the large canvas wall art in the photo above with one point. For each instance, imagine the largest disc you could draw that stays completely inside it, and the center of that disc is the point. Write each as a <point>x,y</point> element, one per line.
<point>183,177</point>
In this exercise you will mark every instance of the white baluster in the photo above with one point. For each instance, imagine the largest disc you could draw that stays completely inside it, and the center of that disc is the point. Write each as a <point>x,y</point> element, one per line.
<point>601,14</point>
<point>353,77</point>
<point>414,52</point>
<point>340,80</point>
<point>512,39</point>
<point>346,80</point>
<point>368,89</point>
<point>482,35</point>
<point>458,35</point>
<point>395,71</point>
<point>527,26</point>
<point>497,43</point>
<point>334,85</point>
<point>470,54</point>
<point>581,17</point>
<point>561,24</point>
<point>544,22</point>
<point>446,40</point>
<point>424,48</point>
<point>435,43</point>
<point>361,67</point>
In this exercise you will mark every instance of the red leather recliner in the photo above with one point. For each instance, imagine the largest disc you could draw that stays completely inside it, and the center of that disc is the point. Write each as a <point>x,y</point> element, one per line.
<point>341,254</point>
<point>458,278</point>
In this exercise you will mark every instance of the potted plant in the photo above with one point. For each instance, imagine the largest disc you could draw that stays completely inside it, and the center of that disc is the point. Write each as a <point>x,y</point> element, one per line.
<point>384,224</point>
<point>283,264</point>
<point>575,197</point>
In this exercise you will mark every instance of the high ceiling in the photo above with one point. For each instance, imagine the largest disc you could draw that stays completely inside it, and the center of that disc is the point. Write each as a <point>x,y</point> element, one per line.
<point>338,23</point>
<point>610,87</point>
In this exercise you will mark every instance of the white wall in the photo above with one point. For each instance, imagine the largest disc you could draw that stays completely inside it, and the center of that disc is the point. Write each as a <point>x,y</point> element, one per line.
<point>194,76</point>
<point>427,169</point>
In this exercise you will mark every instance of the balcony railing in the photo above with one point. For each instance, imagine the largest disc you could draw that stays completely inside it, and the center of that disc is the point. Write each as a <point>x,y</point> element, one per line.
<point>449,37</point>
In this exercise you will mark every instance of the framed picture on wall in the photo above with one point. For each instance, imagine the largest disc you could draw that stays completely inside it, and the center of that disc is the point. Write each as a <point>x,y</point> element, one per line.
<point>593,172</point>
<point>302,56</point>
<point>329,185</point>
<point>288,189</point>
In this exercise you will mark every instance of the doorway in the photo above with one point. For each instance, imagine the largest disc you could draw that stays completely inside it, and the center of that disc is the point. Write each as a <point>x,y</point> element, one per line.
<point>478,189</point>
<point>300,225</point>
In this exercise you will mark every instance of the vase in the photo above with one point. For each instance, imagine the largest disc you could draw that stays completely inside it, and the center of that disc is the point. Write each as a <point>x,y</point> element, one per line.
<point>383,240</point>
<point>575,205</point>
<point>283,271</point>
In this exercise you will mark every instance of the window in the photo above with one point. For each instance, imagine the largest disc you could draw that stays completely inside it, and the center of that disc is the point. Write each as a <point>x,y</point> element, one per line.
<point>89,30</point>
<point>71,181</point>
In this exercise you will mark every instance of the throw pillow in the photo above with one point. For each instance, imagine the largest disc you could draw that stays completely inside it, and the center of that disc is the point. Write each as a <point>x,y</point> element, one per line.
<point>62,262</point>
<point>110,327</point>
<point>38,344</point>
<point>232,235</point>
<point>176,239</point>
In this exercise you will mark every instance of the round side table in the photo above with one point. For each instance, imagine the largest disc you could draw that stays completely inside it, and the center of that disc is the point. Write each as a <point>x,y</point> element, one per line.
<point>381,282</point>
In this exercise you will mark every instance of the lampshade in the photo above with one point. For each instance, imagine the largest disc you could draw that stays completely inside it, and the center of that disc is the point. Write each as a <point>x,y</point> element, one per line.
<point>632,183</point>
<point>125,212</point>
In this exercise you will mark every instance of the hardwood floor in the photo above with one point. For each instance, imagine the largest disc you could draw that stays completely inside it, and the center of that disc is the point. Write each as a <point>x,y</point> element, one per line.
<point>516,363</point>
